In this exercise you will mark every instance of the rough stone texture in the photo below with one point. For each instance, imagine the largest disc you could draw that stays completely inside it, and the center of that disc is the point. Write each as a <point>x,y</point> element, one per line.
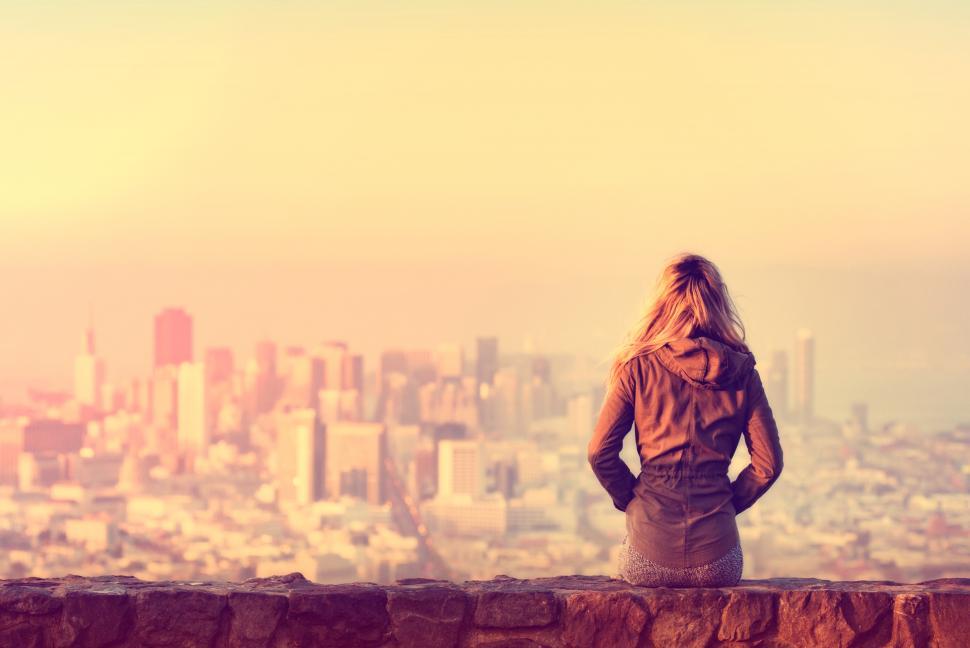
<point>563,612</point>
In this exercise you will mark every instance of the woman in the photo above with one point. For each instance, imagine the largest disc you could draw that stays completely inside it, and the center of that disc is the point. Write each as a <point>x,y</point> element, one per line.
<point>686,380</point>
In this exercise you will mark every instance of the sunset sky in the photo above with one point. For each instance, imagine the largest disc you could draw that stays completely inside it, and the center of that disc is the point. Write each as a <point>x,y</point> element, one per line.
<point>404,174</point>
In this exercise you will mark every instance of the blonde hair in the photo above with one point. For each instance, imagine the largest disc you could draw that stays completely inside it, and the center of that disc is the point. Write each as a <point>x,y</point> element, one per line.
<point>691,300</point>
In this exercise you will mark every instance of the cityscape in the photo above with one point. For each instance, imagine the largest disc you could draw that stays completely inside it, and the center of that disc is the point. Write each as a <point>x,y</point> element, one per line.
<point>444,462</point>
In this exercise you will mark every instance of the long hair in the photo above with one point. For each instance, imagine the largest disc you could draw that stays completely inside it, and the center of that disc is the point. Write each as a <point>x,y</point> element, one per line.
<point>691,300</point>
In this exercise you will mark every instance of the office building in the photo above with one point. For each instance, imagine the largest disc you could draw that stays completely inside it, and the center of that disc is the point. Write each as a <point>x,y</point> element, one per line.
<point>333,353</point>
<point>354,460</point>
<point>803,402</point>
<point>173,337</point>
<point>219,365</point>
<point>449,361</point>
<point>461,468</point>
<point>487,360</point>
<point>262,379</point>
<point>193,414</point>
<point>774,377</point>
<point>299,456</point>
<point>89,374</point>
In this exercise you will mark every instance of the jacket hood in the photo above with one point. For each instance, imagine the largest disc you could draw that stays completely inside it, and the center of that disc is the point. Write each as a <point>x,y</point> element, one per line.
<point>706,362</point>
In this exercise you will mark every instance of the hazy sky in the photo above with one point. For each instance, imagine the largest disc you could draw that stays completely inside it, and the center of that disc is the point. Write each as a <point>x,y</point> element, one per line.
<point>408,176</point>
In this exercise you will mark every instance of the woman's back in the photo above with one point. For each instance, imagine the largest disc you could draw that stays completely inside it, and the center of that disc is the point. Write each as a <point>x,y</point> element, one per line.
<point>691,400</point>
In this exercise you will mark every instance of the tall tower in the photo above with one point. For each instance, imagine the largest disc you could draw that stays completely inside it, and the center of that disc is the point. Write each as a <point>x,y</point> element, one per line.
<point>333,353</point>
<point>88,373</point>
<point>354,460</point>
<point>299,456</point>
<point>776,384</point>
<point>461,468</point>
<point>804,376</point>
<point>449,361</point>
<point>173,337</point>
<point>859,414</point>
<point>487,360</point>
<point>353,385</point>
<point>219,364</point>
<point>486,366</point>
<point>193,423</point>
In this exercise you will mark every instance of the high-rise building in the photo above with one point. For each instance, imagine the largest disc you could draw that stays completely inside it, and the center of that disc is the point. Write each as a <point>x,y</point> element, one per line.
<point>88,373</point>
<point>506,477</point>
<point>803,404</point>
<point>333,353</point>
<point>353,386</point>
<point>48,436</point>
<point>426,453</point>
<point>355,454</point>
<point>775,380</point>
<point>299,456</point>
<point>393,361</point>
<point>449,401</point>
<point>353,372</point>
<point>449,361</point>
<point>263,380</point>
<point>173,337</point>
<point>285,357</point>
<point>859,415</point>
<point>164,396</point>
<point>461,468</point>
<point>193,413</point>
<point>487,360</point>
<point>421,367</point>
<point>304,381</point>
<point>580,416</point>
<point>506,402</point>
<point>218,364</point>
<point>486,365</point>
<point>328,405</point>
<point>266,357</point>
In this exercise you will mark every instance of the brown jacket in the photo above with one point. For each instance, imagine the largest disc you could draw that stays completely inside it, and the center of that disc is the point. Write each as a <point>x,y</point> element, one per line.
<point>691,401</point>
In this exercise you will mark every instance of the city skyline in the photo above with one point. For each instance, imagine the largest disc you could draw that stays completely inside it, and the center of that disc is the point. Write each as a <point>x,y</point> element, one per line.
<point>408,182</point>
<point>440,452</point>
<point>830,395</point>
<point>334,288</point>
<point>330,363</point>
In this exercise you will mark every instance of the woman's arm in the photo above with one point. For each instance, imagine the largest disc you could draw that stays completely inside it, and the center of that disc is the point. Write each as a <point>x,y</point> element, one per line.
<point>764,447</point>
<point>615,421</point>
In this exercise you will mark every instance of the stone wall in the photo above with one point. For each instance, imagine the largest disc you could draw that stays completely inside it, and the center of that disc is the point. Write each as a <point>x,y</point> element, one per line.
<point>566,611</point>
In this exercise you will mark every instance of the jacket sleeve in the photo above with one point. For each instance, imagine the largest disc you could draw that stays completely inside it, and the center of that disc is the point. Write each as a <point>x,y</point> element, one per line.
<point>764,447</point>
<point>614,422</point>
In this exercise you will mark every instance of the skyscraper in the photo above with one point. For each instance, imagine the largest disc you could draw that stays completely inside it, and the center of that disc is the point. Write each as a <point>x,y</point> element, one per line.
<point>164,396</point>
<point>353,386</point>
<point>775,380</point>
<point>392,361</point>
<point>263,376</point>
<point>193,414</point>
<point>449,361</point>
<point>88,373</point>
<point>218,364</point>
<point>304,381</point>
<point>333,353</point>
<point>353,372</point>
<point>486,366</point>
<point>487,360</point>
<point>173,337</point>
<point>804,376</point>
<point>461,468</point>
<point>354,460</point>
<point>859,414</point>
<point>299,456</point>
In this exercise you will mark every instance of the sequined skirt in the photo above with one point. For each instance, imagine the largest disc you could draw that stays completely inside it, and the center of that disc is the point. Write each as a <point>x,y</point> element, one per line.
<point>638,570</point>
